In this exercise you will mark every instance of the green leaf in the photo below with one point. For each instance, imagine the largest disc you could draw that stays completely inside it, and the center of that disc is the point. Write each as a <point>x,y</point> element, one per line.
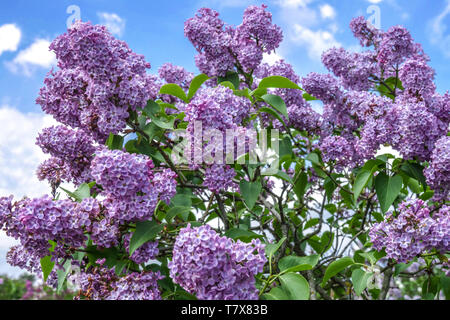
<point>83,192</point>
<point>314,159</point>
<point>152,108</point>
<point>243,235</point>
<point>271,248</point>
<point>227,84</point>
<point>196,83</point>
<point>276,294</point>
<point>311,223</point>
<point>273,113</point>
<point>309,97</point>
<point>415,171</point>
<point>114,142</point>
<point>295,285</point>
<point>362,179</point>
<point>277,103</point>
<point>46,262</point>
<point>182,212</point>
<point>296,264</point>
<point>174,90</point>
<point>388,188</point>
<point>300,185</point>
<point>46,266</point>
<point>232,77</point>
<point>278,82</point>
<point>335,267</point>
<point>359,280</point>
<point>145,231</point>
<point>250,192</point>
<point>62,275</point>
<point>163,124</point>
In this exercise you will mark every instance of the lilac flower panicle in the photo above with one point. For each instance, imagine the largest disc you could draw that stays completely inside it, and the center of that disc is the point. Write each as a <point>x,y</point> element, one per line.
<point>214,267</point>
<point>413,231</point>
<point>438,172</point>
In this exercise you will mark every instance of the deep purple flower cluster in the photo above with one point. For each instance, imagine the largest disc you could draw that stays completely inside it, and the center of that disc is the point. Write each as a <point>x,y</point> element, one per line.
<point>221,48</point>
<point>438,173</point>
<point>214,267</point>
<point>413,231</point>
<point>99,79</point>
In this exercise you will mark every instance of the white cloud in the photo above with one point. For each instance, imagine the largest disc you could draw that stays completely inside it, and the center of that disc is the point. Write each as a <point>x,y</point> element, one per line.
<point>316,41</point>
<point>37,55</point>
<point>327,12</point>
<point>19,158</point>
<point>224,3</point>
<point>10,36</point>
<point>439,35</point>
<point>19,155</point>
<point>114,23</point>
<point>375,1</point>
<point>293,3</point>
<point>272,58</point>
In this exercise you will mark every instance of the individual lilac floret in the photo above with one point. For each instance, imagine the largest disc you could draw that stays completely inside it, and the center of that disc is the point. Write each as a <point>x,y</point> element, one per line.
<point>413,231</point>
<point>438,173</point>
<point>367,34</point>
<point>144,253</point>
<point>214,267</point>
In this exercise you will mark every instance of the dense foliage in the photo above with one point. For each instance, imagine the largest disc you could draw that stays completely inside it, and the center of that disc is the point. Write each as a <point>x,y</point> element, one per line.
<point>180,197</point>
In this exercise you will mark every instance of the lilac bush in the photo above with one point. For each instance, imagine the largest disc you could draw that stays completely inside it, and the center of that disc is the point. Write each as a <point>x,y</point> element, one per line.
<point>333,216</point>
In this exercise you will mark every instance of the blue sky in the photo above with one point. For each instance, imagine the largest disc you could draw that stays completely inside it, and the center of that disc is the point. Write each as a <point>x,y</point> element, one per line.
<point>155,29</point>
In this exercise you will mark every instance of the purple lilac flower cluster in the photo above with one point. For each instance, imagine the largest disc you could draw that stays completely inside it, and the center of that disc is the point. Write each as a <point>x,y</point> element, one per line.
<point>217,110</point>
<point>98,80</point>
<point>72,152</point>
<point>438,173</point>
<point>221,48</point>
<point>214,267</point>
<point>136,286</point>
<point>413,231</point>
<point>102,283</point>
<point>411,117</point>
<point>131,187</point>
